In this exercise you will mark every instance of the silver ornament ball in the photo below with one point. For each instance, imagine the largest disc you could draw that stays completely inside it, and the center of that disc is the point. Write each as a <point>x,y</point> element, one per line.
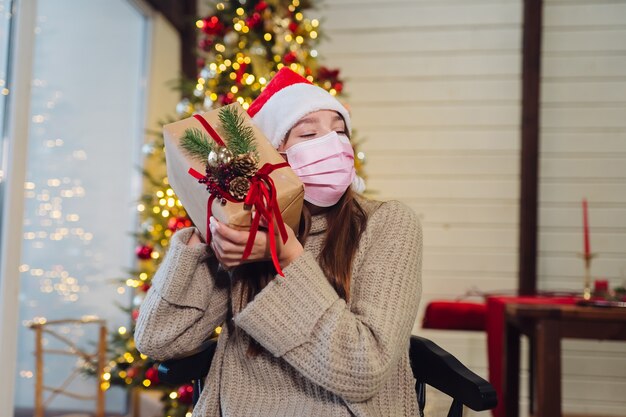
<point>213,159</point>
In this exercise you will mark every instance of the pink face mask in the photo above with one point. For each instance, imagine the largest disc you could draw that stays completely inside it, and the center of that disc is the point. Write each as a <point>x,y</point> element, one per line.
<point>326,167</point>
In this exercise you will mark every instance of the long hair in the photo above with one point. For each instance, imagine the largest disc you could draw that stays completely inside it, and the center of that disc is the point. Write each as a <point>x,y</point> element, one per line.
<point>346,223</point>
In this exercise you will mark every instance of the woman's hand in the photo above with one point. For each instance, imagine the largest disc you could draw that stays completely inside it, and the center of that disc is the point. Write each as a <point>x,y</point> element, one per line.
<point>228,245</point>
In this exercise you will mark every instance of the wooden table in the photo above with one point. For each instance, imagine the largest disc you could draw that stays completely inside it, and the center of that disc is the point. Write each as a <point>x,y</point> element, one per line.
<point>546,325</point>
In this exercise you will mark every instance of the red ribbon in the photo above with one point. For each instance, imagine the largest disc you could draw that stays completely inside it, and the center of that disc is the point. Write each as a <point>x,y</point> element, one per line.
<point>261,195</point>
<point>209,129</point>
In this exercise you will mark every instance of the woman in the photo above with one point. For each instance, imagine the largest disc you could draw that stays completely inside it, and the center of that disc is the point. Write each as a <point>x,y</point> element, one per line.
<point>331,337</point>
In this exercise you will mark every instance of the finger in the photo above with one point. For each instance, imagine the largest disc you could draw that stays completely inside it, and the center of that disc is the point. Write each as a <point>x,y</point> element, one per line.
<point>237,237</point>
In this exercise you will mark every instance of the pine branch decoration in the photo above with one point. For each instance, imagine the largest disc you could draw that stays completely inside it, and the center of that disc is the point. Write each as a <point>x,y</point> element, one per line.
<point>196,144</point>
<point>240,137</point>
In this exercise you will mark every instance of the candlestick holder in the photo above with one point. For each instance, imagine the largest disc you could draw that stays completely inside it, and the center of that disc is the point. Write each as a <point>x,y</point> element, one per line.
<point>587,257</point>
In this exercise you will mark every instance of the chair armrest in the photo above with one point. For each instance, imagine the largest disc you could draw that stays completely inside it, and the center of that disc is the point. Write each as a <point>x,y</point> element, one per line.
<point>184,370</point>
<point>434,366</point>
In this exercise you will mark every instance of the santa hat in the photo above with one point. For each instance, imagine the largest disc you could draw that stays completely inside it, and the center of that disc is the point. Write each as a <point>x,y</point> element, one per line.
<point>288,98</point>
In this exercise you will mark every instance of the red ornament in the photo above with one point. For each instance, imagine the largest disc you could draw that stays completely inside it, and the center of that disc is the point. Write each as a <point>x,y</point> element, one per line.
<point>213,26</point>
<point>324,73</point>
<point>290,58</point>
<point>260,6</point>
<point>135,314</point>
<point>205,44</point>
<point>338,86</point>
<point>293,27</point>
<point>175,223</point>
<point>185,394</point>
<point>144,252</point>
<point>152,375</point>
<point>145,287</point>
<point>227,98</point>
<point>239,73</point>
<point>254,21</point>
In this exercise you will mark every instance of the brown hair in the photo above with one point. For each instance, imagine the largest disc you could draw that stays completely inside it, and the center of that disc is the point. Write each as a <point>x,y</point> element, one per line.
<point>346,222</point>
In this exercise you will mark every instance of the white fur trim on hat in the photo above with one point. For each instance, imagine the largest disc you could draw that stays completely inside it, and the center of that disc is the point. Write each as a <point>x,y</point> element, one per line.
<point>290,104</point>
<point>358,184</point>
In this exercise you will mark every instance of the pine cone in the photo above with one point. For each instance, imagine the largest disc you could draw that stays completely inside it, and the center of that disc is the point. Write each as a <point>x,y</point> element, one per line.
<point>246,164</point>
<point>239,187</point>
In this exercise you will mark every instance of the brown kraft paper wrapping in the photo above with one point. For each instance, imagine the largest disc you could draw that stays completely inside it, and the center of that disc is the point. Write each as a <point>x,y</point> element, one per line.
<point>194,195</point>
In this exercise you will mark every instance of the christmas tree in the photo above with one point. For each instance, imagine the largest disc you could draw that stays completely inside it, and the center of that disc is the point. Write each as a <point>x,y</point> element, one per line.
<point>241,45</point>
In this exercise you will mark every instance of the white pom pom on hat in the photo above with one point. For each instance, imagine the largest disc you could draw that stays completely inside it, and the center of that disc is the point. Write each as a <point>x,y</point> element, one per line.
<point>287,98</point>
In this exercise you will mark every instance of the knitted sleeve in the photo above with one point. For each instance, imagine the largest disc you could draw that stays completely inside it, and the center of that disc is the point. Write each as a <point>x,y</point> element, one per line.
<point>183,306</point>
<point>348,351</point>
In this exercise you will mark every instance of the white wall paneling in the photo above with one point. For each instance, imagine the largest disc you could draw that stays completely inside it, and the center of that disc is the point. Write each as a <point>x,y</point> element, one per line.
<point>434,90</point>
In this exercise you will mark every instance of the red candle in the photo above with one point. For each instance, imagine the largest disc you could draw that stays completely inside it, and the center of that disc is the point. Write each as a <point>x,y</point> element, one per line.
<point>586,228</point>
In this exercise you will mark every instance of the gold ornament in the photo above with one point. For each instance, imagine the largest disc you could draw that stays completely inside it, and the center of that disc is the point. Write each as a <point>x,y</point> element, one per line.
<point>246,164</point>
<point>224,156</point>
<point>239,187</point>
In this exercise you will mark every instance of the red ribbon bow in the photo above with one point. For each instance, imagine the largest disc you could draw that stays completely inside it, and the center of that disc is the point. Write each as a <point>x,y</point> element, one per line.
<point>261,196</point>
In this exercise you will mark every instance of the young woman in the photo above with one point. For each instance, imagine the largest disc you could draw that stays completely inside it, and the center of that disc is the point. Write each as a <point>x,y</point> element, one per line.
<point>331,337</point>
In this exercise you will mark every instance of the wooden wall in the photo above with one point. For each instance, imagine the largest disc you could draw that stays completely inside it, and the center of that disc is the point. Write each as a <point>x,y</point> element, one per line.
<point>583,154</point>
<point>434,89</point>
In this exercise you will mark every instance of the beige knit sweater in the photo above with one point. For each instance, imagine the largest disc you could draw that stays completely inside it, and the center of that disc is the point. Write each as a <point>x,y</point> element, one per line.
<point>326,357</point>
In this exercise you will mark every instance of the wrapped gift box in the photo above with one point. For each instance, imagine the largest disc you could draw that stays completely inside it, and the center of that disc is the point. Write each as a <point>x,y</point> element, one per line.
<point>194,195</point>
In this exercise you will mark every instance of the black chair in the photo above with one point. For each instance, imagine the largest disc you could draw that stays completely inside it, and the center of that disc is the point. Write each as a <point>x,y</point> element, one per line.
<point>431,365</point>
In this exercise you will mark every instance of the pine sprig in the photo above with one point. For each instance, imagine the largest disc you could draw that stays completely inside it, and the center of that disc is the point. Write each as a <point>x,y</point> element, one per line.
<point>196,144</point>
<point>239,136</point>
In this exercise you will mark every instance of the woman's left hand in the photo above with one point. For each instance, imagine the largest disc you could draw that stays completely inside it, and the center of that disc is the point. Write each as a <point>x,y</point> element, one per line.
<point>228,245</point>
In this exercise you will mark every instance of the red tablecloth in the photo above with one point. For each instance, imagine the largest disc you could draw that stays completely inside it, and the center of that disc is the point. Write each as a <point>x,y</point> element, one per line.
<point>495,336</point>
<point>454,315</point>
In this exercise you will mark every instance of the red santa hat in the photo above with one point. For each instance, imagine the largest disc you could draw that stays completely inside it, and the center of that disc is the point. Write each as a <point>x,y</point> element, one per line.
<point>288,98</point>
